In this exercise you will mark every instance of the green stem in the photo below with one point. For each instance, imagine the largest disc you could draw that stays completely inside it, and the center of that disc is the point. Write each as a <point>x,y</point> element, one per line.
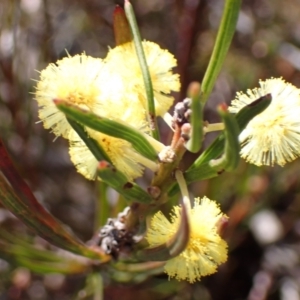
<point>214,127</point>
<point>98,286</point>
<point>102,206</point>
<point>183,188</point>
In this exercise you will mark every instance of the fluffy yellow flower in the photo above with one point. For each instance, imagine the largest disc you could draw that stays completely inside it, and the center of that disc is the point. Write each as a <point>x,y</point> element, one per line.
<point>272,137</point>
<point>114,89</point>
<point>205,250</point>
<point>121,153</point>
<point>123,65</point>
<point>72,79</point>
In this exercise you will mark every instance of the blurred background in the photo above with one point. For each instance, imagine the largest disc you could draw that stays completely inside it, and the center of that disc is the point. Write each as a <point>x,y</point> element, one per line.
<point>263,203</point>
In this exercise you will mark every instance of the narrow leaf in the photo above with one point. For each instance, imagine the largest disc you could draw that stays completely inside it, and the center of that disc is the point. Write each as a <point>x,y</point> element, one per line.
<point>21,252</point>
<point>44,224</point>
<point>229,160</point>
<point>93,145</point>
<point>223,41</point>
<point>138,267</point>
<point>16,195</point>
<point>245,115</point>
<point>109,127</point>
<point>117,180</point>
<point>71,267</point>
<point>195,141</point>
<point>144,67</point>
<point>121,27</point>
<point>205,171</point>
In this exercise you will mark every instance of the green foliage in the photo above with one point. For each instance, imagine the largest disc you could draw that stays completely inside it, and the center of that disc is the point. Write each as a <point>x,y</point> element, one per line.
<point>109,127</point>
<point>138,265</point>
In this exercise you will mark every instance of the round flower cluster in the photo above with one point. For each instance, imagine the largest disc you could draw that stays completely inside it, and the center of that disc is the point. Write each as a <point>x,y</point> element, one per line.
<point>273,136</point>
<point>205,250</point>
<point>112,88</point>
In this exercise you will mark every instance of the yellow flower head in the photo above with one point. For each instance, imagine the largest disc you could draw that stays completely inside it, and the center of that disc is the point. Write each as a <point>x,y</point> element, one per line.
<point>123,65</point>
<point>114,89</point>
<point>72,79</point>
<point>273,136</point>
<point>121,153</point>
<point>205,250</point>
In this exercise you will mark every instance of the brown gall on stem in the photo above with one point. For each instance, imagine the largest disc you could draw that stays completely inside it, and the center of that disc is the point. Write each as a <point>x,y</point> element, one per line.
<point>186,131</point>
<point>154,191</point>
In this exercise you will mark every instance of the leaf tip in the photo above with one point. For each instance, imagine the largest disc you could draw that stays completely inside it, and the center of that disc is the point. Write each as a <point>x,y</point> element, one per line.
<point>223,108</point>
<point>118,10</point>
<point>57,101</point>
<point>194,89</point>
<point>103,164</point>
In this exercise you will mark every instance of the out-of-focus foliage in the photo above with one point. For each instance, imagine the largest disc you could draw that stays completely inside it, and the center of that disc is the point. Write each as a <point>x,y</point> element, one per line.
<point>263,232</point>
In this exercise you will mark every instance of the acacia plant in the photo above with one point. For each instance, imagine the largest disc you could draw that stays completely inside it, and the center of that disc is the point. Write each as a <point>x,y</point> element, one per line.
<point>108,109</point>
